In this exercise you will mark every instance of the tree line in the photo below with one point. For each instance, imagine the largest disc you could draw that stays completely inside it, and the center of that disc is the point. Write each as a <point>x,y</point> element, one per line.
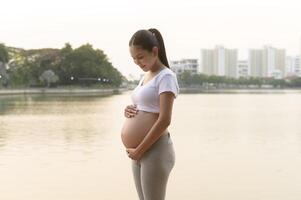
<point>82,66</point>
<point>188,79</point>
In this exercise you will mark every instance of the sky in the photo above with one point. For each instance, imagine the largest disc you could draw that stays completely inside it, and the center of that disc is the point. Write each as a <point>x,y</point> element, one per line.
<point>187,26</point>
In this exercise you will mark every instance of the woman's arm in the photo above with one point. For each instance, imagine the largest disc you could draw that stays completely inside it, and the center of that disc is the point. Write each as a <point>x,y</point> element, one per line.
<point>163,121</point>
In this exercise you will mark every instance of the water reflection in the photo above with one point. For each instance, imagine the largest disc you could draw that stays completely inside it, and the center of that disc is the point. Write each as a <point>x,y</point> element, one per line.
<point>69,119</point>
<point>245,146</point>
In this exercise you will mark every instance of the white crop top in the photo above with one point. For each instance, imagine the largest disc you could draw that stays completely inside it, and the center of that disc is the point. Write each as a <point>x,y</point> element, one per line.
<point>146,96</point>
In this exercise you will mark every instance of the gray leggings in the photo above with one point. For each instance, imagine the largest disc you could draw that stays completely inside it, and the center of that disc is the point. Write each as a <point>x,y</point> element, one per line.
<point>151,172</point>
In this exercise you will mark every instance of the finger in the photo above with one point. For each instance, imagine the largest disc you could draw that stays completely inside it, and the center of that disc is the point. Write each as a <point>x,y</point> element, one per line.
<point>134,111</point>
<point>129,112</point>
<point>130,109</point>
<point>131,106</point>
<point>125,114</point>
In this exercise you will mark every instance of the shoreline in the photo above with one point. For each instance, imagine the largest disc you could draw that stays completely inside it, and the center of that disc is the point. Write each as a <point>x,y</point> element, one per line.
<point>103,92</point>
<point>63,91</point>
<point>240,90</point>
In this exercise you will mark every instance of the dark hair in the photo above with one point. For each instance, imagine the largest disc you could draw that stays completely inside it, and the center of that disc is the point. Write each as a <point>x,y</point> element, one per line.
<point>147,39</point>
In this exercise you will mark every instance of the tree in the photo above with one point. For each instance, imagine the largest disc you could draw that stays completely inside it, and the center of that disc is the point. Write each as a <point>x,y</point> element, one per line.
<point>85,64</point>
<point>4,58</point>
<point>48,77</point>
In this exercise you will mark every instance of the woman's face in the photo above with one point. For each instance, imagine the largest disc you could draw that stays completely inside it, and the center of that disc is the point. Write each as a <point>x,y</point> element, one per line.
<point>143,58</point>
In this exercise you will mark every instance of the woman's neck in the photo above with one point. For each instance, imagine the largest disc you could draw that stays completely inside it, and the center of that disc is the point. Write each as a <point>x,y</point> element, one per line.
<point>157,67</point>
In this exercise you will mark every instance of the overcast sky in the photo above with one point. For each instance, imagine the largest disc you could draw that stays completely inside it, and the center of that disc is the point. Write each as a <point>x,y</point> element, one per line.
<point>186,25</point>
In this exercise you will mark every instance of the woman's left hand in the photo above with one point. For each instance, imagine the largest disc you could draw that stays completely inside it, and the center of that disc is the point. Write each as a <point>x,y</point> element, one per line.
<point>133,154</point>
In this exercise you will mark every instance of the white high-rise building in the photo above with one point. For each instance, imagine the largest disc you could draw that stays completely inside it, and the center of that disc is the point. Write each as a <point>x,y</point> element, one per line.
<point>243,68</point>
<point>219,61</point>
<point>267,62</point>
<point>292,66</point>
<point>179,66</point>
<point>255,62</point>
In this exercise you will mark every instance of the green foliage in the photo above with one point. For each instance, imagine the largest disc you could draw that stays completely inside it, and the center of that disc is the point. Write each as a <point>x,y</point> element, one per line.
<point>188,79</point>
<point>3,54</point>
<point>296,82</point>
<point>86,65</point>
<point>49,77</point>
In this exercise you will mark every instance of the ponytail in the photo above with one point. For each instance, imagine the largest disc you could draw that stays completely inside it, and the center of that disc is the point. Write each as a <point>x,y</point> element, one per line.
<point>162,52</point>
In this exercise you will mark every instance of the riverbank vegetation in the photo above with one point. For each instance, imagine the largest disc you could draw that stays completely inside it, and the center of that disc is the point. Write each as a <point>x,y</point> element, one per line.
<point>65,67</point>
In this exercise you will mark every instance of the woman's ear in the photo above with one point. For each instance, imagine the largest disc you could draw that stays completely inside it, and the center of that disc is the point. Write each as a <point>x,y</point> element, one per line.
<point>155,51</point>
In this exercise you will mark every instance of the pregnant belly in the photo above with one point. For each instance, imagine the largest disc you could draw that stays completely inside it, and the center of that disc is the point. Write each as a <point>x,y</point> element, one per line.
<point>135,129</point>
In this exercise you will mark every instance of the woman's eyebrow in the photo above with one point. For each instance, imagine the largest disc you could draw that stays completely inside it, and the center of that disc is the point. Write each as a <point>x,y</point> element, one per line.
<point>138,54</point>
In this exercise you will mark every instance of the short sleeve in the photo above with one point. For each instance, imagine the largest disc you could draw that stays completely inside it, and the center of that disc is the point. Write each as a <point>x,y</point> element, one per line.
<point>168,83</point>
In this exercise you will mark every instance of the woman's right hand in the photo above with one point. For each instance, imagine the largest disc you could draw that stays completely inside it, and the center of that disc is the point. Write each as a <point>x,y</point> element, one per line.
<point>130,111</point>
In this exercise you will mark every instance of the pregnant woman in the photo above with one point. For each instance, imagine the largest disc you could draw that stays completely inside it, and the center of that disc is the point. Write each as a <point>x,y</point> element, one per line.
<point>144,133</point>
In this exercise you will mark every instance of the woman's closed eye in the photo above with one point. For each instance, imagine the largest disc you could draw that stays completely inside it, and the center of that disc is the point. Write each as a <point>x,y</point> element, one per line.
<point>138,59</point>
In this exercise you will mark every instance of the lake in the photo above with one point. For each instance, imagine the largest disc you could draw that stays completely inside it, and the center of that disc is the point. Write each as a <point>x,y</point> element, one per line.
<point>228,147</point>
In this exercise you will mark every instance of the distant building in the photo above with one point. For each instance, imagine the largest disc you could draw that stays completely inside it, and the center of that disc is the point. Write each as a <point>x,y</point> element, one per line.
<point>256,62</point>
<point>180,66</point>
<point>243,68</point>
<point>267,62</point>
<point>219,61</point>
<point>292,66</point>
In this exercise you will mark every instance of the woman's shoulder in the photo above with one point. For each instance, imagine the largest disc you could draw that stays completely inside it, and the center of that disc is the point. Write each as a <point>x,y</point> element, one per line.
<point>166,72</point>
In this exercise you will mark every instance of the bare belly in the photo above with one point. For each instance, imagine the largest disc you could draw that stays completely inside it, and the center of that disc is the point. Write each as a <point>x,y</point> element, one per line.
<point>135,129</point>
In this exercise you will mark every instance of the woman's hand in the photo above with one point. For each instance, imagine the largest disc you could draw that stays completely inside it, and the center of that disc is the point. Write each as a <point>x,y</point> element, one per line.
<point>133,154</point>
<point>130,111</point>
